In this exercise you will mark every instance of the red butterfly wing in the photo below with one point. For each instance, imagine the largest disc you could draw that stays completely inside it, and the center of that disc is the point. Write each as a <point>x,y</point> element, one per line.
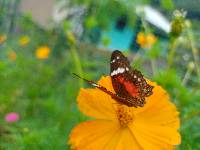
<point>128,83</point>
<point>119,99</point>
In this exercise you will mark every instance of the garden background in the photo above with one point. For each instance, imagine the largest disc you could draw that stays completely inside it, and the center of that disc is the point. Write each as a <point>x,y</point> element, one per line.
<point>43,42</point>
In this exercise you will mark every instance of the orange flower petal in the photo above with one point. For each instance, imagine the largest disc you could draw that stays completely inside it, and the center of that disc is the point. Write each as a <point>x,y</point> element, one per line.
<point>157,120</point>
<point>97,104</point>
<point>107,83</point>
<point>158,109</point>
<point>162,113</point>
<point>155,134</point>
<point>94,135</point>
<point>127,141</point>
<point>155,137</point>
<point>141,39</point>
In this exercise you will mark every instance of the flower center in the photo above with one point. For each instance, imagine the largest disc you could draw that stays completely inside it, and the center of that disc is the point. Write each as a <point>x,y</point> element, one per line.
<point>124,115</point>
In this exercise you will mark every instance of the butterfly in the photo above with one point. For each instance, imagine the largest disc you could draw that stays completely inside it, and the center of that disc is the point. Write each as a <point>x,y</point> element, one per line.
<point>129,84</point>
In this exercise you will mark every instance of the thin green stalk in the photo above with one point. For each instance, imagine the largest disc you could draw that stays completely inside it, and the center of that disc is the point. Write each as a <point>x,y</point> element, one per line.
<point>194,51</point>
<point>172,51</point>
<point>146,29</point>
<point>187,74</point>
<point>145,25</point>
<point>77,63</point>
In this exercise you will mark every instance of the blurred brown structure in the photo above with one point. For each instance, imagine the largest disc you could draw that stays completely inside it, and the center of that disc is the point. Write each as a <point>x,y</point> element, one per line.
<point>40,10</point>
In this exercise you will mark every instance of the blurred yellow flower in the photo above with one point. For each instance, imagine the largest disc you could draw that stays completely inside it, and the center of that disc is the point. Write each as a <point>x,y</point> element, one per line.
<point>24,40</point>
<point>141,40</point>
<point>12,55</point>
<point>146,41</point>
<point>42,52</point>
<point>2,38</point>
<point>118,127</point>
<point>151,39</point>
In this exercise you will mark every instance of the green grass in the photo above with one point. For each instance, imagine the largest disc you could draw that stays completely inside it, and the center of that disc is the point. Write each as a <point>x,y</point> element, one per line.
<point>44,93</point>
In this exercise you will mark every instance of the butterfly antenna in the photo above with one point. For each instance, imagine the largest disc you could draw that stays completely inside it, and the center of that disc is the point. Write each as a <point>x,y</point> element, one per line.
<point>91,82</point>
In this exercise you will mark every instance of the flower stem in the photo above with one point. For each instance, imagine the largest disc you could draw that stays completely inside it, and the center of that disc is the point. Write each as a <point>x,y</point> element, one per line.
<point>77,63</point>
<point>187,74</point>
<point>172,50</point>
<point>194,51</point>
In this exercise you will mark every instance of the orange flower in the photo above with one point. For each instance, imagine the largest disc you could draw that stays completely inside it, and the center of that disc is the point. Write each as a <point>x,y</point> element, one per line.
<point>146,41</point>
<point>12,55</point>
<point>43,52</point>
<point>24,40</point>
<point>2,38</point>
<point>151,39</point>
<point>141,40</point>
<point>116,126</point>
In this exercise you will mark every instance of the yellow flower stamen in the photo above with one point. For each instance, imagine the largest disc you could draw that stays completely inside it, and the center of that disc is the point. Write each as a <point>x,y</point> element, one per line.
<point>124,115</point>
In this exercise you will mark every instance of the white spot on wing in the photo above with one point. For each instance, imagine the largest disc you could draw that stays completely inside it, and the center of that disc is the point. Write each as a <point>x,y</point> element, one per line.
<point>117,57</point>
<point>113,61</point>
<point>119,70</point>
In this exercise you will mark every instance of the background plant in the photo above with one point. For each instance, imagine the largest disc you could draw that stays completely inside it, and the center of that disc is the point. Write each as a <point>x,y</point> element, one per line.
<point>44,92</point>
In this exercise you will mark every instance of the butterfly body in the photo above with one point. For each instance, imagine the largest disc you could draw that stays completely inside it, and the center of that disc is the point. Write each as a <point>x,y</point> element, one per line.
<point>129,84</point>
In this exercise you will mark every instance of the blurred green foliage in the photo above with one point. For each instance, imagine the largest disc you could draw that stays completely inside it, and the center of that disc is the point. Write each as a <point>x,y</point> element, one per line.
<point>44,92</point>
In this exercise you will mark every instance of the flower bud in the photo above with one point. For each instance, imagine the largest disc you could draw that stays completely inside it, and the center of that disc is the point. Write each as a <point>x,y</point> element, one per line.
<point>178,23</point>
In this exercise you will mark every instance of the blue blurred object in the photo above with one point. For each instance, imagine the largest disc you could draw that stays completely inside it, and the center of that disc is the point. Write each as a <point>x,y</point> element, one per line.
<point>119,38</point>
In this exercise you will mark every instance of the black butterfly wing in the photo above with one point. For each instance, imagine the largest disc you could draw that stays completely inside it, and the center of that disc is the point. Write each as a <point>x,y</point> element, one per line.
<point>127,82</point>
